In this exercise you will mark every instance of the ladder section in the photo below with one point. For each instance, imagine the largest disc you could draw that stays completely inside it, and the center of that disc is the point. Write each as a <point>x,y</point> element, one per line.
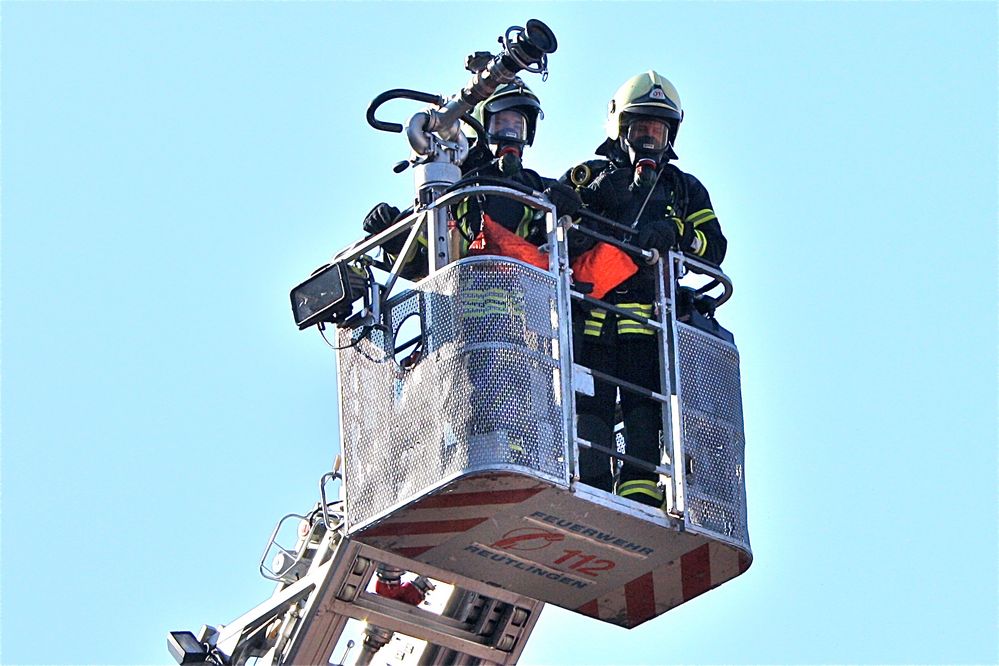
<point>304,621</point>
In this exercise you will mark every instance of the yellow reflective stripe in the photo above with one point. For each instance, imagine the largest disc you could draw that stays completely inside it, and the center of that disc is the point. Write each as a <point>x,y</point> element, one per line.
<point>594,322</point>
<point>679,226</point>
<point>632,327</point>
<point>640,309</point>
<point>639,483</point>
<point>640,487</point>
<point>699,214</point>
<point>702,216</point>
<point>527,216</point>
<point>703,246</point>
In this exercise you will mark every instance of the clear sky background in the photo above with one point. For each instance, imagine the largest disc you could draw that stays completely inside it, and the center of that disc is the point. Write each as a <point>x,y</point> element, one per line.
<point>170,170</point>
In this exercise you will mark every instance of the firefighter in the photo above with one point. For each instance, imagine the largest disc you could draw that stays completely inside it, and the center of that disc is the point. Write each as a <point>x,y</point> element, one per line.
<point>635,185</point>
<point>510,116</point>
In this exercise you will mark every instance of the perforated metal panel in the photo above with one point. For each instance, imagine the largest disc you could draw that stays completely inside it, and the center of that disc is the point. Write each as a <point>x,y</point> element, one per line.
<point>484,394</point>
<point>713,434</point>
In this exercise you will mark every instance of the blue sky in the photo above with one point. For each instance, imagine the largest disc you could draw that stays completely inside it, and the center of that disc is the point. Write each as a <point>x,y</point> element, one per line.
<point>170,170</point>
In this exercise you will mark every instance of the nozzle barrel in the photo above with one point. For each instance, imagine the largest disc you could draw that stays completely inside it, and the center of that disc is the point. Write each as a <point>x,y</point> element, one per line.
<point>528,49</point>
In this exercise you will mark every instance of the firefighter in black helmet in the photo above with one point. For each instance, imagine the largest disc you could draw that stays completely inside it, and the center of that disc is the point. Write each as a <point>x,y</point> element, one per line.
<point>510,117</point>
<point>668,209</point>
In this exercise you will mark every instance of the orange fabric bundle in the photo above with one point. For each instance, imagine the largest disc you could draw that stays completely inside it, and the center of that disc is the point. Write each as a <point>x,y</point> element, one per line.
<point>496,239</point>
<point>604,266</point>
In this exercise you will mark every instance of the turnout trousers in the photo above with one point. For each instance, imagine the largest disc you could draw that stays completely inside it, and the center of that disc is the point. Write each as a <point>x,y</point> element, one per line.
<point>633,358</point>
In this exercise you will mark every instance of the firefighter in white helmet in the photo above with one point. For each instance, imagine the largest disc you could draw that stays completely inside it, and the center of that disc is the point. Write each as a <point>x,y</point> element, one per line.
<point>636,186</point>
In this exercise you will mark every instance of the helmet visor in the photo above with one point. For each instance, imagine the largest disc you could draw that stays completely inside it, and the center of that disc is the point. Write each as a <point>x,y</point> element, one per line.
<point>646,133</point>
<point>508,125</point>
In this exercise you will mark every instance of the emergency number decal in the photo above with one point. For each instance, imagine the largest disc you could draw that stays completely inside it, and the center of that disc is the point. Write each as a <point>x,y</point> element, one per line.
<point>569,560</point>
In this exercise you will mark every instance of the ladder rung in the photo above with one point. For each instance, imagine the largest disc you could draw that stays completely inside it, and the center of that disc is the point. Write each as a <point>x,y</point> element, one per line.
<point>628,386</point>
<point>659,469</point>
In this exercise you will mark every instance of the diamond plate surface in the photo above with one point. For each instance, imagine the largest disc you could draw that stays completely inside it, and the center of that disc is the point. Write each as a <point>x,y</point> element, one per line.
<point>712,427</point>
<point>484,394</point>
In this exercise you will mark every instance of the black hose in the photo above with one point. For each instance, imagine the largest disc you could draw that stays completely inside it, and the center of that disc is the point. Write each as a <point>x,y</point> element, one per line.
<point>397,93</point>
<point>472,179</point>
<point>481,138</point>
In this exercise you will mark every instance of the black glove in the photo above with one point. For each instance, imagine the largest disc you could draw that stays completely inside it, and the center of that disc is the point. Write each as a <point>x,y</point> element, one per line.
<point>657,235</point>
<point>578,243</point>
<point>380,218</point>
<point>565,198</point>
<point>609,192</point>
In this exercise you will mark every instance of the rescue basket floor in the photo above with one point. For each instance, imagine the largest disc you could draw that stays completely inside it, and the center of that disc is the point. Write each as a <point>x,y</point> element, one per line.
<point>580,548</point>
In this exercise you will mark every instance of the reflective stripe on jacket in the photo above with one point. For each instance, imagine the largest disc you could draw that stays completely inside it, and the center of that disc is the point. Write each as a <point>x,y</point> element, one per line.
<point>596,319</point>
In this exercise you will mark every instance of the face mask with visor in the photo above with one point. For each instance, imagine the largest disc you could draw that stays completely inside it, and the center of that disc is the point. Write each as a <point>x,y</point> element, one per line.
<point>507,131</point>
<point>647,139</point>
<point>506,127</point>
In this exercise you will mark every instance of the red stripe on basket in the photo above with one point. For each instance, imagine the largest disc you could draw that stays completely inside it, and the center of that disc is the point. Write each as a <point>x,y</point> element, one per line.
<point>478,499</point>
<point>412,551</point>
<point>422,527</point>
<point>640,599</point>
<point>695,572</point>
<point>590,608</point>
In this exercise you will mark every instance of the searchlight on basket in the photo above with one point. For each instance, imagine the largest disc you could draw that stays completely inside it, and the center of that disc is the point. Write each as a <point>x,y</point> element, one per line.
<point>328,295</point>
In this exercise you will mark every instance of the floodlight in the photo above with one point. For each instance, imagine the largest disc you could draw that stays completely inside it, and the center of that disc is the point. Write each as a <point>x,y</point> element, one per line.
<point>328,295</point>
<point>185,648</point>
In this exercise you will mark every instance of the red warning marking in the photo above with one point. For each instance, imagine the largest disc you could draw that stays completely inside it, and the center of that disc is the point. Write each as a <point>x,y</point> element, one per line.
<point>695,572</point>
<point>478,498</point>
<point>422,527</point>
<point>412,551</point>
<point>590,608</point>
<point>640,599</point>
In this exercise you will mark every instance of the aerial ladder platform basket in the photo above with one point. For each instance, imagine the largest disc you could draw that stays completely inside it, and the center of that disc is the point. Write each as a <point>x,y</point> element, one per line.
<point>458,432</point>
